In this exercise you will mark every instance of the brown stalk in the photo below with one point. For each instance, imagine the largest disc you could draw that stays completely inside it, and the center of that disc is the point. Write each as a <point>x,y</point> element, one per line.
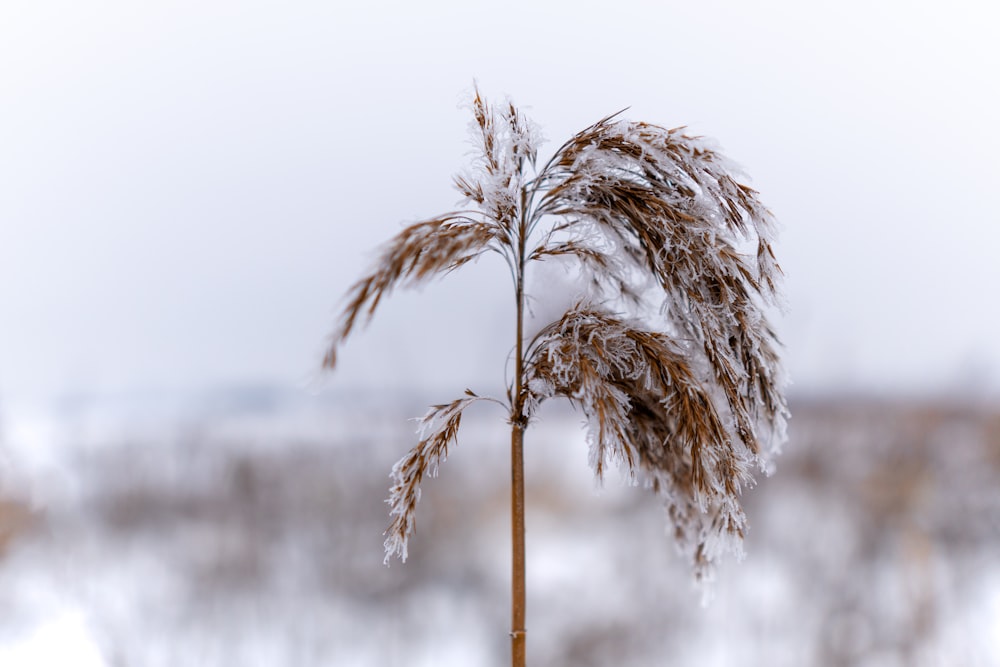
<point>519,421</point>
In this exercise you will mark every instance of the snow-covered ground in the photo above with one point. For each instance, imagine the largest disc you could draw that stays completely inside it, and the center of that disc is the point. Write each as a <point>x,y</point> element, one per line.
<point>246,529</point>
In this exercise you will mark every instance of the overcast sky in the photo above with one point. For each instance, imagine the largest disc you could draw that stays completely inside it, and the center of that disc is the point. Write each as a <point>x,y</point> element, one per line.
<point>188,188</point>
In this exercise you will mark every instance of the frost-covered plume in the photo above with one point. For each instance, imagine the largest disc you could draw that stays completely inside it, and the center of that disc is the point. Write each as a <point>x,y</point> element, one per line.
<point>668,354</point>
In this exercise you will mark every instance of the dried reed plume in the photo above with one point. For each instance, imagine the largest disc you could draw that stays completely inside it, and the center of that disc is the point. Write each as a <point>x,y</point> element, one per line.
<point>668,354</point>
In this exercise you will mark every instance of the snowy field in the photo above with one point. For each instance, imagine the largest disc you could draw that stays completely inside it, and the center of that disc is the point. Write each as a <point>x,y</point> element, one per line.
<point>246,529</point>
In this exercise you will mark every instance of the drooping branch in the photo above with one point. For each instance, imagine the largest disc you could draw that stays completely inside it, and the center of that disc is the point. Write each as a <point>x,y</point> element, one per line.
<point>418,253</point>
<point>643,201</point>
<point>650,410</point>
<point>438,431</point>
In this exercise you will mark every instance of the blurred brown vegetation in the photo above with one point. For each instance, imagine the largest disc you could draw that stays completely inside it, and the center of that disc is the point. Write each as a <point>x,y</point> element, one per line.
<point>15,520</point>
<point>874,543</point>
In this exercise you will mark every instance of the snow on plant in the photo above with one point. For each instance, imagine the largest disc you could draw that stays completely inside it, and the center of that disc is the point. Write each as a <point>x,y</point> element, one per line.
<point>668,353</point>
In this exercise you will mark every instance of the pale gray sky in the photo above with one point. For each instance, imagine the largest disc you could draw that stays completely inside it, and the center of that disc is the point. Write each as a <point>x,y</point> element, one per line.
<point>187,188</point>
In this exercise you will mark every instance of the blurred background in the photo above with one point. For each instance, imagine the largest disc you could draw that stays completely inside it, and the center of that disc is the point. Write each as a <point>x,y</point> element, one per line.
<point>189,189</point>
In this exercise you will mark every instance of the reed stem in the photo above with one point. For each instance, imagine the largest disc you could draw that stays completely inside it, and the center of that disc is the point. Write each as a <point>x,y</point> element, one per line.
<point>518,423</point>
<point>518,632</point>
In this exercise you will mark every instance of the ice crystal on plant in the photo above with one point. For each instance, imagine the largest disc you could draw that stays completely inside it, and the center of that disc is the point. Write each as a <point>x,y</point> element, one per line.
<point>667,352</point>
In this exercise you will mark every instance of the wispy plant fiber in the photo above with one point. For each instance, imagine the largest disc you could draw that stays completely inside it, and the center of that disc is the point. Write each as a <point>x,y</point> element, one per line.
<point>668,353</point>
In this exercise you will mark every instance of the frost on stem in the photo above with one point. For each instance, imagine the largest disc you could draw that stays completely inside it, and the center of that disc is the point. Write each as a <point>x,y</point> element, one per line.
<point>688,396</point>
<point>438,430</point>
<point>649,410</point>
